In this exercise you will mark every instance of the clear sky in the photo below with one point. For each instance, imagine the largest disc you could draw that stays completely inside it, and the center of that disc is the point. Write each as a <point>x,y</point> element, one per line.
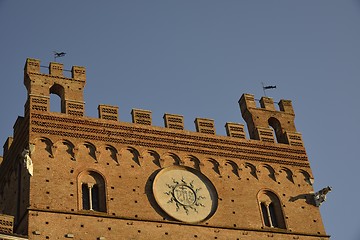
<point>196,58</point>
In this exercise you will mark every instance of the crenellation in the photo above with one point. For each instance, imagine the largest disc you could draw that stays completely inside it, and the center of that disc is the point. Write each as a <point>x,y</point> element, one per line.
<point>56,69</point>
<point>108,112</point>
<point>265,135</point>
<point>32,65</point>
<point>140,116</point>
<point>247,101</point>
<point>78,73</point>
<point>174,121</point>
<point>294,139</point>
<point>40,86</point>
<point>74,108</point>
<point>105,178</point>
<point>204,125</point>
<point>286,106</point>
<point>235,130</point>
<point>265,123</point>
<point>267,103</point>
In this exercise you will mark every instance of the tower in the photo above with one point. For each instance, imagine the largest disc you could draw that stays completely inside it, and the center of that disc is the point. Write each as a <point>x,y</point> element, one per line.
<point>66,175</point>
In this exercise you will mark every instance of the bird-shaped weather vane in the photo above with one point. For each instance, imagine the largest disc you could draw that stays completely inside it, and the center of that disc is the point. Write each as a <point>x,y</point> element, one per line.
<point>58,54</point>
<point>267,88</point>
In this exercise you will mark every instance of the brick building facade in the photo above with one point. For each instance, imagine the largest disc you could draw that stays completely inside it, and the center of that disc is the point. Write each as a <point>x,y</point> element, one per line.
<point>64,175</point>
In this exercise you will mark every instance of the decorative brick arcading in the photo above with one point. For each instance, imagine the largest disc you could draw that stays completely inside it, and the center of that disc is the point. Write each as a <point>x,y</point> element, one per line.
<point>156,138</point>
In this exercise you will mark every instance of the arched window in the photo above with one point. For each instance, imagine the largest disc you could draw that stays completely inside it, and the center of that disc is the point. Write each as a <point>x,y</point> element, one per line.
<point>55,103</point>
<point>92,196</point>
<point>276,126</point>
<point>57,98</point>
<point>271,211</point>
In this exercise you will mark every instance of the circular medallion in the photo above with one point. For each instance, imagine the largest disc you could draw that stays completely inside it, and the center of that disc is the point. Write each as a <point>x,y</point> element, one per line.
<point>185,194</point>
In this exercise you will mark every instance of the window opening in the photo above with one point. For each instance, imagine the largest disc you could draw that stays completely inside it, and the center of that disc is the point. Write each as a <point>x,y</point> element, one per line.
<point>57,98</point>
<point>271,210</point>
<point>265,214</point>
<point>277,130</point>
<point>86,196</point>
<point>55,103</point>
<point>274,222</point>
<point>92,192</point>
<point>90,196</point>
<point>95,198</point>
<point>274,134</point>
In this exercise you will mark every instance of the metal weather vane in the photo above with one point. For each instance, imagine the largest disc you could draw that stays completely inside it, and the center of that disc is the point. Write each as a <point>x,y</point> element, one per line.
<point>58,54</point>
<point>267,87</point>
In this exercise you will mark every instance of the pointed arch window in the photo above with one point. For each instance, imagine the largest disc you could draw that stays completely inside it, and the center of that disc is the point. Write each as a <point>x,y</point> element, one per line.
<point>92,196</point>
<point>271,210</point>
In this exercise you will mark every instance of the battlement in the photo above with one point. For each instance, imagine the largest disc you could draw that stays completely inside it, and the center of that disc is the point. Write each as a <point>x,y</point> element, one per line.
<point>263,133</point>
<point>264,123</point>
<point>32,66</point>
<point>40,86</point>
<point>247,101</point>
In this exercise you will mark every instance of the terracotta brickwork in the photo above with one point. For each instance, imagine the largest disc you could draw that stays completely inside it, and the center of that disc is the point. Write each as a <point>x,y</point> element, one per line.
<point>75,158</point>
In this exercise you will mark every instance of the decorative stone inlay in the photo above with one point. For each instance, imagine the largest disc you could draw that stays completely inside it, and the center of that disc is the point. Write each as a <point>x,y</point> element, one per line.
<point>185,194</point>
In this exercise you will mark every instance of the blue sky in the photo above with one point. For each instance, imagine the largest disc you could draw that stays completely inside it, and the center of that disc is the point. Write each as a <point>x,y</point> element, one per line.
<point>196,58</point>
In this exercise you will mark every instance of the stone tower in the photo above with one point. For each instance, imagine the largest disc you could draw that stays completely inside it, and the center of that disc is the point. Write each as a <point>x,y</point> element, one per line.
<point>65,175</point>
